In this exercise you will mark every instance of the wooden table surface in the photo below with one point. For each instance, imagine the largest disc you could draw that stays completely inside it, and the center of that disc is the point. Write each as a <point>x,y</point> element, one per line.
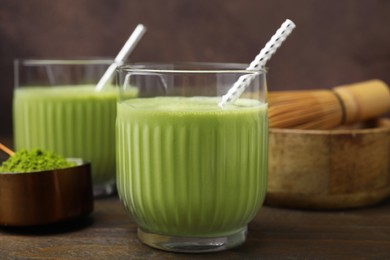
<point>275,233</point>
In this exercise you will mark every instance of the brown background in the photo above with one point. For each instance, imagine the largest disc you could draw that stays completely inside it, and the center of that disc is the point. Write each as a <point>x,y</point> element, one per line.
<point>335,42</point>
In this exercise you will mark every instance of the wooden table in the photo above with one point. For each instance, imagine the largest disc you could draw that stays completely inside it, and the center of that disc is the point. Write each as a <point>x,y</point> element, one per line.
<point>275,233</point>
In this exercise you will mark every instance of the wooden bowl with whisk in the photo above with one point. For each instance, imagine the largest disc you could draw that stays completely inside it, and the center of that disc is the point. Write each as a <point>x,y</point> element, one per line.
<point>329,169</point>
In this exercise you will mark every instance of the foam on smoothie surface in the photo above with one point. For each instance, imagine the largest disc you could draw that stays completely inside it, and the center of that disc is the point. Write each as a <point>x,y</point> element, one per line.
<point>189,104</point>
<point>75,92</point>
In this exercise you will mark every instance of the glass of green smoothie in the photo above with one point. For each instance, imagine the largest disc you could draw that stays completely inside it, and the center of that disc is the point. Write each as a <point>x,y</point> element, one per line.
<point>57,108</point>
<point>191,174</point>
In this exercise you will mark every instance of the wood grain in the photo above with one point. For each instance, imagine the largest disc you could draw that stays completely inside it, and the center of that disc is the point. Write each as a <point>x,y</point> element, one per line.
<point>275,233</point>
<point>329,168</point>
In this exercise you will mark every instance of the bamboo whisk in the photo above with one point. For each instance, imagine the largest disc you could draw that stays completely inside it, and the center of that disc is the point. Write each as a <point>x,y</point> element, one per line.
<point>327,109</point>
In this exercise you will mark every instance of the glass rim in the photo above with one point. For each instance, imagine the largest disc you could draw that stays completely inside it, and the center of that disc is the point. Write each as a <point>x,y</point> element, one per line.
<point>64,61</point>
<point>205,68</point>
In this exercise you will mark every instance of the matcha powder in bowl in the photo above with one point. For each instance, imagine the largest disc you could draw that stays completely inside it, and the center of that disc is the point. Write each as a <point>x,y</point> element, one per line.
<point>34,160</point>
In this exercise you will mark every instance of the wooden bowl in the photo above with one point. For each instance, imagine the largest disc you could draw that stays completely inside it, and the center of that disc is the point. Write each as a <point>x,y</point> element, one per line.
<point>45,197</point>
<point>319,169</point>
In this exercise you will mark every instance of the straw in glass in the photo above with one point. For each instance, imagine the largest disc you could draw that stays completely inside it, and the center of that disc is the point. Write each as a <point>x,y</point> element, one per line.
<point>129,46</point>
<point>258,63</point>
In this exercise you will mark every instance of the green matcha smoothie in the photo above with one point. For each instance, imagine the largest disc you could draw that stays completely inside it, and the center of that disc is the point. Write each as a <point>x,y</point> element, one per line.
<point>186,167</point>
<point>74,121</point>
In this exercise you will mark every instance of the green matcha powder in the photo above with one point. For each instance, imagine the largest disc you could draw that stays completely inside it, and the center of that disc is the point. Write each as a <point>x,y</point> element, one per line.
<point>34,160</point>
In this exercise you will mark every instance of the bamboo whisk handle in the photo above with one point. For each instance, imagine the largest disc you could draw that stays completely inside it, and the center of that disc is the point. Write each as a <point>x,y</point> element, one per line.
<point>364,100</point>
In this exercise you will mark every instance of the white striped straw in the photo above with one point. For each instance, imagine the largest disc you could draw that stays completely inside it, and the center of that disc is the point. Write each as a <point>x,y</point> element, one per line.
<point>258,63</point>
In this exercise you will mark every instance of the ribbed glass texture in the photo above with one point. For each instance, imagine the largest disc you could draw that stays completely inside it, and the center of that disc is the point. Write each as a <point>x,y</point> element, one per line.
<point>192,174</point>
<point>72,121</point>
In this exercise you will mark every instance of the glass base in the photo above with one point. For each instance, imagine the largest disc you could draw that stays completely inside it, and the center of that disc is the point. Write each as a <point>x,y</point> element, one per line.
<point>104,190</point>
<point>192,244</point>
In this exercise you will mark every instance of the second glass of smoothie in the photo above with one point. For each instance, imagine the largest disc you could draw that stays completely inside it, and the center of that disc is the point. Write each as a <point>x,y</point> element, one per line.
<point>191,173</point>
<point>57,108</point>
